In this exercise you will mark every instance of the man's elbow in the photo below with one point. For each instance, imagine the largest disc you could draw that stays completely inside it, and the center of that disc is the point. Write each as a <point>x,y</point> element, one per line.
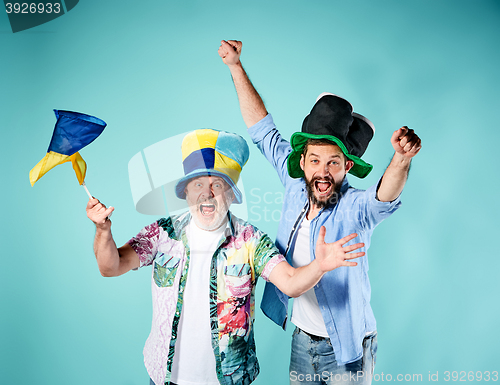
<point>107,272</point>
<point>388,197</point>
<point>292,293</point>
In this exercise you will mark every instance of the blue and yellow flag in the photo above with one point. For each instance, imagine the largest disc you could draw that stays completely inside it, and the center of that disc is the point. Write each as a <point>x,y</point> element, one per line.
<point>73,131</point>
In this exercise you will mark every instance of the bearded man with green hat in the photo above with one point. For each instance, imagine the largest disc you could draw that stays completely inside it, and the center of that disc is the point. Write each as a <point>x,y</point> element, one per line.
<point>335,339</point>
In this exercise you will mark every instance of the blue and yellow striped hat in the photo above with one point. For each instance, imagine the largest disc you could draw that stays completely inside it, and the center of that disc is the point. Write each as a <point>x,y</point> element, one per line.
<point>212,152</point>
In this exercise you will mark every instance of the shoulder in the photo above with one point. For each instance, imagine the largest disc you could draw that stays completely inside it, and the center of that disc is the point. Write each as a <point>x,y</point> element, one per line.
<point>353,192</point>
<point>262,128</point>
<point>240,225</point>
<point>173,225</point>
<point>165,223</point>
<point>245,231</point>
<point>354,198</point>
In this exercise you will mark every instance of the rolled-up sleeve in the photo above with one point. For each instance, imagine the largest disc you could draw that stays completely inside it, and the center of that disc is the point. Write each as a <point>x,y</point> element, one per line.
<point>272,145</point>
<point>265,256</point>
<point>266,272</point>
<point>145,243</point>
<point>371,211</point>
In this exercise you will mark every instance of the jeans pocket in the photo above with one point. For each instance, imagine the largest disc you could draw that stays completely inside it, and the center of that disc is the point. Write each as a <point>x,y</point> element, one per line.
<point>374,347</point>
<point>165,269</point>
<point>370,353</point>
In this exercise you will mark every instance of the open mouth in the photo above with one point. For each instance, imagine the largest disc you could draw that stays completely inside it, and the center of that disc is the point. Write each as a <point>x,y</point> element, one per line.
<point>323,187</point>
<point>207,209</point>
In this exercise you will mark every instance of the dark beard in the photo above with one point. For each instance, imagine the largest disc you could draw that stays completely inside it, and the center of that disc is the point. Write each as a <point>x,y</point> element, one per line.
<point>332,199</point>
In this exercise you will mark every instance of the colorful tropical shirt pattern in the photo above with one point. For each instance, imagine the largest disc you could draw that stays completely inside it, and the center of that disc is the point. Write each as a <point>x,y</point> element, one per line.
<point>244,254</point>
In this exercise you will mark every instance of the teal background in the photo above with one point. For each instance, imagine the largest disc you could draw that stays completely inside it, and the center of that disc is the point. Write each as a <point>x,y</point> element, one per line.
<point>150,69</point>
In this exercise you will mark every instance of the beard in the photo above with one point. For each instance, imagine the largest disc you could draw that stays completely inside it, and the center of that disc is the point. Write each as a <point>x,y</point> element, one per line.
<point>330,200</point>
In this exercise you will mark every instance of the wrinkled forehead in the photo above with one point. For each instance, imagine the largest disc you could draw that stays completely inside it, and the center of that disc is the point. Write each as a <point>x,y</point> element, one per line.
<point>208,179</point>
<point>326,149</point>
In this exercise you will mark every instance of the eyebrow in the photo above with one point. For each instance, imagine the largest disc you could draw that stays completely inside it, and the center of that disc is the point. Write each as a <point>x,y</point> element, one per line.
<point>333,156</point>
<point>214,178</point>
<point>219,180</point>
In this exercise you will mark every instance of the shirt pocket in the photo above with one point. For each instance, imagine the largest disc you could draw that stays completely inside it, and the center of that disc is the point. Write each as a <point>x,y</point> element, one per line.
<point>238,279</point>
<point>165,269</point>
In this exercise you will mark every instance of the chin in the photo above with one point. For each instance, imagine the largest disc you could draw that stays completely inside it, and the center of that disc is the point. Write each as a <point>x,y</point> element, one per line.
<point>208,224</point>
<point>323,201</point>
<point>325,198</point>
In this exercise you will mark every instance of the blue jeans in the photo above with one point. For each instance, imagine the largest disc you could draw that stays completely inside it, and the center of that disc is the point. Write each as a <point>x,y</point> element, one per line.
<point>312,362</point>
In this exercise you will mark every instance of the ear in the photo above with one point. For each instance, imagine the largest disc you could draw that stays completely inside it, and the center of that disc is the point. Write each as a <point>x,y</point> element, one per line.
<point>348,165</point>
<point>301,163</point>
<point>230,195</point>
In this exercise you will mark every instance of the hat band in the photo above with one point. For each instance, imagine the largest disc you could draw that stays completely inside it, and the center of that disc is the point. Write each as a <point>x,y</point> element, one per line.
<point>298,140</point>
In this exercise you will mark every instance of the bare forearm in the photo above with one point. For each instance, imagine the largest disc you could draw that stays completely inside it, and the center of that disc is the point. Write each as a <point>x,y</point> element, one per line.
<point>406,144</point>
<point>251,105</point>
<point>394,178</point>
<point>111,260</point>
<point>106,253</point>
<point>296,281</point>
<point>304,279</point>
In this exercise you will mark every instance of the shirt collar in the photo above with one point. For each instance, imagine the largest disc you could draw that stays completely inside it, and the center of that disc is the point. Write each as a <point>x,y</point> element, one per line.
<point>345,185</point>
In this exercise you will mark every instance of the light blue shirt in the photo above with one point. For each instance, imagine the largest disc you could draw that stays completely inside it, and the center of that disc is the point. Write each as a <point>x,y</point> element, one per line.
<point>344,293</point>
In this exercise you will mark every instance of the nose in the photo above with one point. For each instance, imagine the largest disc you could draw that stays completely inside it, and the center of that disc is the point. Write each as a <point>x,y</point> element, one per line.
<point>207,192</point>
<point>323,170</point>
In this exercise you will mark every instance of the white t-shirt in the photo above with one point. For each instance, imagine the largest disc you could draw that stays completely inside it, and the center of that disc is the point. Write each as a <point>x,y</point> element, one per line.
<point>194,360</point>
<point>306,313</point>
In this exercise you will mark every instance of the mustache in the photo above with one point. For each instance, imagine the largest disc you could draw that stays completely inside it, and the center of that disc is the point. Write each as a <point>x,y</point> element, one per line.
<point>327,178</point>
<point>330,201</point>
<point>211,201</point>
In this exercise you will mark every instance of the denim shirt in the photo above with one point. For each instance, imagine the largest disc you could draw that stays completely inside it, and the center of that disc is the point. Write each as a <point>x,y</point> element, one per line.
<point>244,253</point>
<point>344,293</point>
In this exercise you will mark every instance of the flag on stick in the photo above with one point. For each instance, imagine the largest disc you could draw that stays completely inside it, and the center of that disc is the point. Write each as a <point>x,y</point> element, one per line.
<point>73,131</point>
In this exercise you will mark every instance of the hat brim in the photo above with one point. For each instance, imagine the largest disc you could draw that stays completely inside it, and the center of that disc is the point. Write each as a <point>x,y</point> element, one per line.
<point>298,140</point>
<point>182,183</point>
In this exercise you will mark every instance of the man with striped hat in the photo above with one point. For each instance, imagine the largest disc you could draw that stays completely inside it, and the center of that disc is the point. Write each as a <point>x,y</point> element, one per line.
<point>335,337</point>
<point>206,263</point>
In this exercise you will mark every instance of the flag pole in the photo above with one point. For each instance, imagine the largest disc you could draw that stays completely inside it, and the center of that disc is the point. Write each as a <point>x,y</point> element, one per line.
<point>87,190</point>
<point>91,197</point>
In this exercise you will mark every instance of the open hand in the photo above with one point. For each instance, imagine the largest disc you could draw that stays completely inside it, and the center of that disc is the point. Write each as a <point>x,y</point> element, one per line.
<point>406,142</point>
<point>230,51</point>
<point>98,213</point>
<point>333,255</point>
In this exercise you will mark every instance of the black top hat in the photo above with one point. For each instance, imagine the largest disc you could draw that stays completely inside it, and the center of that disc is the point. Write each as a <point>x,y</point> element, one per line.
<point>332,118</point>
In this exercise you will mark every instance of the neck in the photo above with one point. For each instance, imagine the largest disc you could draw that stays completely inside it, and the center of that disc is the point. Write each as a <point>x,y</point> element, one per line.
<point>209,228</point>
<point>313,211</point>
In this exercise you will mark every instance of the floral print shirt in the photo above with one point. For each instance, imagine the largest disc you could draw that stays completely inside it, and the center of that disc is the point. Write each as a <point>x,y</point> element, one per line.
<point>244,253</point>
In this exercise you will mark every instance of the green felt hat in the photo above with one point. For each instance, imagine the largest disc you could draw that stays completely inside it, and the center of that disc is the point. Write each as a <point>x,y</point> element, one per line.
<point>332,119</point>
